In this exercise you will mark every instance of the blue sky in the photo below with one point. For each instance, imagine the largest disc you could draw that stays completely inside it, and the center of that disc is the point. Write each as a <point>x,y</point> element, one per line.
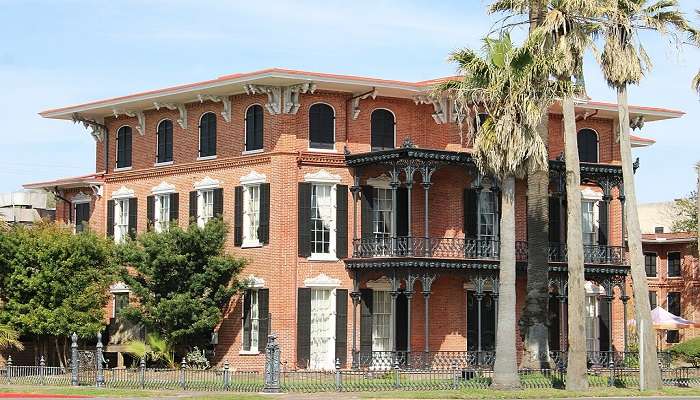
<point>57,53</point>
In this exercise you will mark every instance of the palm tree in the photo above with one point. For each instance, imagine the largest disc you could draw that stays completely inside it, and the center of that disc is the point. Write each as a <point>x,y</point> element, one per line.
<point>505,82</point>
<point>9,338</point>
<point>624,62</point>
<point>535,315</point>
<point>567,30</point>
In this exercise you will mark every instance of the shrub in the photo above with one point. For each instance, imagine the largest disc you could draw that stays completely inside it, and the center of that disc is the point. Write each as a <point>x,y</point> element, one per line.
<point>688,351</point>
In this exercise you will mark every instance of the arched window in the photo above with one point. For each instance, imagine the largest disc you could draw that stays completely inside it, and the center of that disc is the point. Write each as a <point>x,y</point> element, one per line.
<point>207,135</point>
<point>382,130</point>
<point>588,146</point>
<point>254,128</point>
<point>321,126</point>
<point>124,147</point>
<point>165,141</point>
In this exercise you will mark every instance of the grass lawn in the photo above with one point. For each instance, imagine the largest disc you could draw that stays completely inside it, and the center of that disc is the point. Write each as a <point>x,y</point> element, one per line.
<point>528,393</point>
<point>105,392</point>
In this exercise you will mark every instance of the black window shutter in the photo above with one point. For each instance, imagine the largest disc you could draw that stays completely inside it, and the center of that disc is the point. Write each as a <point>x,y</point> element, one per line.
<point>238,216</point>
<point>150,211</point>
<point>218,205</point>
<point>341,325</point>
<point>212,135</point>
<point>258,127</point>
<point>174,207</point>
<point>304,219</point>
<point>193,206</point>
<point>169,142</point>
<point>603,223</point>
<point>127,148</point>
<point>471,203</point>
<point>321,126</point>
<point>604,326</point>
<point>303,327</point>
<point>110,218</point>
<point>264,227</point>
<point>366,296</point>
<point>402,212</point>
<point>133,212</point>
<point>341,223</point>
<point>263,318</point>
<point>554,220</point>
<point>247,323</point>
<point>160,156</point>
<point>82,216</point>
<point>367,209</point>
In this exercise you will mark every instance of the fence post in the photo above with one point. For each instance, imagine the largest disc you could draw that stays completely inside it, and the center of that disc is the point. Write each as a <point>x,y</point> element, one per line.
<point>142,373</point>
<point>227,377</point>
<point>183,366</point>
<point>397,379</point>
<point>74,360</point>
<point>338,381</point>
<point>454,374</point>
<point>100,378</point>
<point>42,372</point>
<point>9,368</point>
<point>272,365</point>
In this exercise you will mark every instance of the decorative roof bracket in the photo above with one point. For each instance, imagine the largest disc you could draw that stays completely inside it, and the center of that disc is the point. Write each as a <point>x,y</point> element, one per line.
<point>274,96</point>
<point>440,105</point>
<point>291,96</point>
<point>281,99</point>
<point>356,101</point>
<point>182,121</point>
<point>140,116</point>
<point>97,128</point>
<point>226,113</point>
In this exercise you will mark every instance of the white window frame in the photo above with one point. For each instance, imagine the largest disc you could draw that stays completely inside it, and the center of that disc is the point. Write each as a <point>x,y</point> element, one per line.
<point>80,198</point>
<point>324,282</point>
<point>160,192</point>
<point>251,183</point>
<point>254,284</point>
<point>589,195</point>
<point>324,178</point>
<point>121,208</point>
<point>592,316</point>
<point>381,285</point>
<point>204,187</point>
<point>119,288</point>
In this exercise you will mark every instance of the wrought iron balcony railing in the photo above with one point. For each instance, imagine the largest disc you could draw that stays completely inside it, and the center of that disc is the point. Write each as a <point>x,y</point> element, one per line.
<point>474,249</point>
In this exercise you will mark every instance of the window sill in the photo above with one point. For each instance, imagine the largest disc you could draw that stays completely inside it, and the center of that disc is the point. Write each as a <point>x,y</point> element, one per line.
<point>206,158</point>
<point>322,257</point>
<point>247,152</point>
<point>119,169</point>
<point>163,164</point>
<point>248,353</point>
<point>315,150</point>
<point>251,244</point>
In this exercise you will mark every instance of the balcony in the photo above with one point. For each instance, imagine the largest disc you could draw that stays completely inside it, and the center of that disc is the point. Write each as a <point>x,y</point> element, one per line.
<point>474,249</point>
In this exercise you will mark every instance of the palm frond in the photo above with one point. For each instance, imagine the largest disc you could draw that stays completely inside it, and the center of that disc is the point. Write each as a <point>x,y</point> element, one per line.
<point>9,338</point>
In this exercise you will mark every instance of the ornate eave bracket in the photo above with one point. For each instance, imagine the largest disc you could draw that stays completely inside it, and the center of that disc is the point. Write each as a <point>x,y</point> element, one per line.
<point>182,121</point>
<point>281,99</point>
<point>97,128</point>
<point>356,102</point>
<point>441,106</point>
<point>140,117</point>
<point>225,100</point>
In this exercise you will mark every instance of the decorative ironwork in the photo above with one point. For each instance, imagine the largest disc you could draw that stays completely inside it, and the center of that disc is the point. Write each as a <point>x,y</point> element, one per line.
<point>592,254</point>
<point>272,365</point>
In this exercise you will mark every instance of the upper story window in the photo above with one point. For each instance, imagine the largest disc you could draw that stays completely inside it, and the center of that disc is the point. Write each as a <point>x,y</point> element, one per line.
<point>658,229</point>
<point>207,135</point>
<point>588,146</point>
<point>383,213</point>
<point>674,264</point>
<point>383,130</point>
<point>588,222</point>
<point>488,215</point>
<point>322,219</point>
<point>124,147</point>
<point>650,264</point>
<point>165,141</point>
<point>321,127</point>
<point>652,299</point>
<point>254,128</point>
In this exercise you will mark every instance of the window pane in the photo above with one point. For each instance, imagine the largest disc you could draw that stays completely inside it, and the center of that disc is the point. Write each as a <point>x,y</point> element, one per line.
<point>321,126</point>
<point>251,212</point>
<point>322,218</point>
<point>382,130</point>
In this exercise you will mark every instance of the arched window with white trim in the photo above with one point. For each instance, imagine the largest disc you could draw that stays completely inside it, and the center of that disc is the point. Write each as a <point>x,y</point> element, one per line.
<point>383,129</point>
<point>207,135</point>
<point>587,145</point>
<point>321,127</point>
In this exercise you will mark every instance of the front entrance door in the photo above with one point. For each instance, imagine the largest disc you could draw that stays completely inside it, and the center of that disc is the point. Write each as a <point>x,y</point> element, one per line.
<point>488,322</point>
<point>322,330</point>
<point>401,322</point>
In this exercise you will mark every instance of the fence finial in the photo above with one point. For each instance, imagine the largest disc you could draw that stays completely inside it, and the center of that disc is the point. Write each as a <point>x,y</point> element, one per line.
<point>9,361</point>
<point>42,362</point>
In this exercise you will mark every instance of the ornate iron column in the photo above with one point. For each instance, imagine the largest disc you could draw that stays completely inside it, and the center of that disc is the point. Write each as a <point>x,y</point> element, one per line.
<point>409,171</point>
<point>395,182</point>
<point>624,299</point>
<point>410,282</point>
<point>495,294</point>
<point>74,360</point>
<point>392,328</point>
<point>621,197</point>
<point>427,280</point>
<point>355,190</point>
<point>355,296</point>
<point>427,173</point>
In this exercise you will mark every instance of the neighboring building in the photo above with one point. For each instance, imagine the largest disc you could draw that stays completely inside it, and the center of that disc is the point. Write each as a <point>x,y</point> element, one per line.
<point>25,207</point>
<point>672,266</point>
<point>357,201</point>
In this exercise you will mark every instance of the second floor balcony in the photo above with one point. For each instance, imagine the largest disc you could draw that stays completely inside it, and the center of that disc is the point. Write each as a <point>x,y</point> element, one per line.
<point>475,249</point>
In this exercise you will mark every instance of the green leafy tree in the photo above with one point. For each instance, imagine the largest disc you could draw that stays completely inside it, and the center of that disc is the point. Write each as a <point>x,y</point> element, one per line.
<point>182,280</point>
<point>687,210</point>
<point>54,282</point>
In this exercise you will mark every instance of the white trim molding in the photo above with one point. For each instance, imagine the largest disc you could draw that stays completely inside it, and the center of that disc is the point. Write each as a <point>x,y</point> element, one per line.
<point>322,176</point>
<point>207,183</point>
<point>253,178</point>
<point>590,194</point>
<point>281,99</point>
<point>140,117</point>
<point>81,198</point>
<point>383,284</point>
<point>163,188</point>
<point>254,282</point>
<point>119,287</point>
<point>182,121</point>
<point>225,100</point>
<point>321,281</point>
<point>441,107</point>
<point>123,193</point>
<point>356,102</point>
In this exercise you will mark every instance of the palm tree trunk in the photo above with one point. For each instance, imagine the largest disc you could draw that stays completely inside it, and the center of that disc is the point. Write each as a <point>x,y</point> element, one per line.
<point>697,207</point>
<point>651,380</point>
<point>534,320</point>
<point>505,370</point>
<point>576,373</point>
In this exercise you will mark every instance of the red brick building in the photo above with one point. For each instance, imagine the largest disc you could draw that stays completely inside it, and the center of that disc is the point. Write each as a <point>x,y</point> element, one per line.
<point>356,200</point>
